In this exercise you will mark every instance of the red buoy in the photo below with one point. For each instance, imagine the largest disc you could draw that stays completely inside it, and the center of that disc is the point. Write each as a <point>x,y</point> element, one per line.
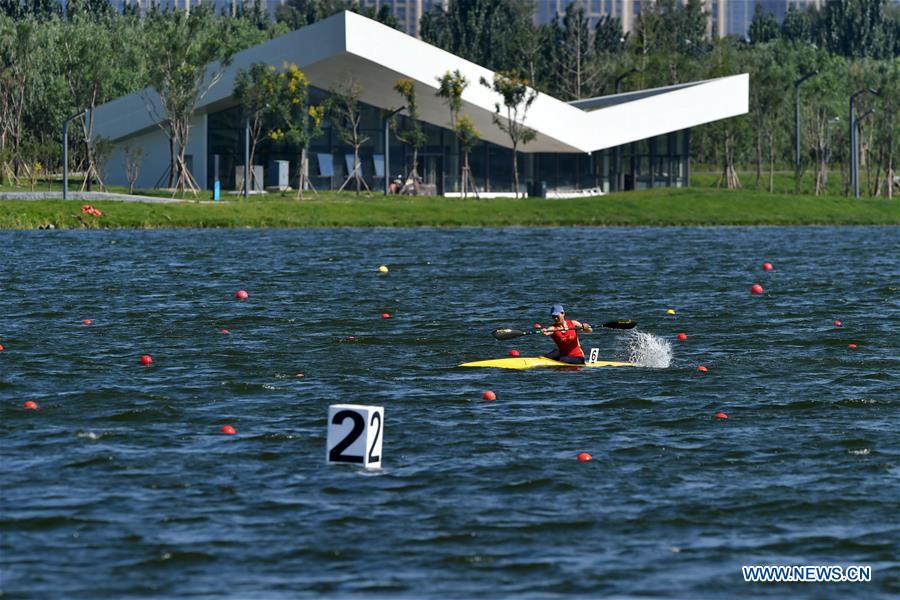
<point>756,289</point>
<point>30,405</point>
<point>241,295</point>
<point>86,322</point>
<point>1,347</point>
<point>228,430</point>
<point>851,346</point>
<point>537,325</point>
<point>584,457</point>
<point>514,353</point>
<point>681,337</point>
<point>767,266</point>
<point>489,395</point>
<point>702,368</point>
<point>224,331</point>
<point>837,323</point>
<point>385,315</point>
<point>720,415</point>
<point>146,359</point>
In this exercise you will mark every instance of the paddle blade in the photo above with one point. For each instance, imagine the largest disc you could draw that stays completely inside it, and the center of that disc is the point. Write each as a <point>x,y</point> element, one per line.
<point>620,324</point>
<point>507,334</point>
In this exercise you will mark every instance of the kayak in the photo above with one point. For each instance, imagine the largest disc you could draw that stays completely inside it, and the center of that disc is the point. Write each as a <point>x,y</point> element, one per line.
<point>533,362</point>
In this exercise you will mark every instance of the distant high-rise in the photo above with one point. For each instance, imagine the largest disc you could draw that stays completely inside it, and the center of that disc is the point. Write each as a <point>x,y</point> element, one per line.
<point>725,17</point>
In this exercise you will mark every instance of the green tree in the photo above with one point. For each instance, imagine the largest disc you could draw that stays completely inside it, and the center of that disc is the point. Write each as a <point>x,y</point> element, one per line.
<point>413,135</point>
<point>796,26</point>
<point>451,87</point>
<point>574,53</point>
<point>608,36</point>
<point>297,121</point>
<point>19,50</point>
<point>517,98</point>
<point>346,115</point>
<point>823,107</point>
<point>763,27</point>
<point>256,90</point>
<point>91,78</point>
<point>888,126</point>
<point>856,28</point>
<point>186,56</point>
<point>486,32</point>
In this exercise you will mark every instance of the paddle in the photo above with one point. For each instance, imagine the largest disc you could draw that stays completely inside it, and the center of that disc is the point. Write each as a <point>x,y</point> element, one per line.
<point>511,334</point>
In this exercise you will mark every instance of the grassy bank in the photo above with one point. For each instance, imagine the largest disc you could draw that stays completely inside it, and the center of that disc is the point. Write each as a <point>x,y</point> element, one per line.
<point>660,207</point>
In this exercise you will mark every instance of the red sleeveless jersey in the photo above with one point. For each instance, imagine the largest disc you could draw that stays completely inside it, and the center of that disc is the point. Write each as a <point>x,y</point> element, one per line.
<point>567,341</point>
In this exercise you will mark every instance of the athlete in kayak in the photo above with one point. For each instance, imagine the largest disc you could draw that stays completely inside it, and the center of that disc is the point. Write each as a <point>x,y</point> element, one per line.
<point>565,334</point>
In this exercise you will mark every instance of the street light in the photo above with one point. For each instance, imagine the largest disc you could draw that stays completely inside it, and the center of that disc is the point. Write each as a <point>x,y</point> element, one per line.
<point>620,180</point>
<point>797,85</point>
<point>66,153</point>
<point>387,149</point>
<point>854,144</point>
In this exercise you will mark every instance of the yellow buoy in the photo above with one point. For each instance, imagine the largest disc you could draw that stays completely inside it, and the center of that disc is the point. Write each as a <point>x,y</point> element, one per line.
<point>383,269</point>
<point>670,311</point>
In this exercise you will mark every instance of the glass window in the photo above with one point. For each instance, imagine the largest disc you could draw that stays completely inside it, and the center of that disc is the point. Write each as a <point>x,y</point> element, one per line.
<point>378,160</point>
<point>326,166</point>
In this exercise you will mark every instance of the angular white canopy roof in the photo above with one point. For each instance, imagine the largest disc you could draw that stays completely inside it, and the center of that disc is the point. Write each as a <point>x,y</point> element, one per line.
<point>349,45</point>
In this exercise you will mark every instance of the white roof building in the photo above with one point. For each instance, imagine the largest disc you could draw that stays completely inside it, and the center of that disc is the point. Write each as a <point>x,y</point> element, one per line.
<point>375,56</point>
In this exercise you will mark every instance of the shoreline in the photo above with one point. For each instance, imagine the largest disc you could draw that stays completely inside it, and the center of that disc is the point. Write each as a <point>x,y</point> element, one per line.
<point>663,207</point>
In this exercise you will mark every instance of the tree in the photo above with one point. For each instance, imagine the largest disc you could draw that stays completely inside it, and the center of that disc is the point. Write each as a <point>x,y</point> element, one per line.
<point>763,27</point>
<point>487,32</point>
<point>19,50</point>
<point>888,124</point>
<point>856,28</point>
<point>573,56</point>
<point>413,136</point>
<point>133,158</point>
<point>796,26</point>
<point>726,135</point>
<point>186,56</point>
<point>451,87</point>
<point>517,99</point>
<point>86,47</point>
<point>346,111</point>
<point>298,13</point>
<point>297,122</point>
<point>256,90</point>
<point>824,100</point>
<point>772,76</point>
<point>608,36</point>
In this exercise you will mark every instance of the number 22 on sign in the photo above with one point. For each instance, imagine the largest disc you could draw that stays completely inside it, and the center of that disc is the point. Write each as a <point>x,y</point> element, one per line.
<point>355,434</point>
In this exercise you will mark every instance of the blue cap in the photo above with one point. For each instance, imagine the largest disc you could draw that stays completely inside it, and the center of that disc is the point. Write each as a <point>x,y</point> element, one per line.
<point>556,309</point>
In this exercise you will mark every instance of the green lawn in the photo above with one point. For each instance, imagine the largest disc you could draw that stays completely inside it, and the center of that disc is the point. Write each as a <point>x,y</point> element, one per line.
<point>659,207</point>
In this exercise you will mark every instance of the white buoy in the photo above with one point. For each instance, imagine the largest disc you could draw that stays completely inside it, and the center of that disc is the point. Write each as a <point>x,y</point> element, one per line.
<point>355,434</point>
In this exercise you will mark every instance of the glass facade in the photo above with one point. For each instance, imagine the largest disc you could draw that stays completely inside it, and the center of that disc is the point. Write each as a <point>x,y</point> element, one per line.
<point>656,162</point>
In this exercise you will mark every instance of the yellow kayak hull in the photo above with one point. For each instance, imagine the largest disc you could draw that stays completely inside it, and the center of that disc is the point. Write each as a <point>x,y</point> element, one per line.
<point>534,362</point>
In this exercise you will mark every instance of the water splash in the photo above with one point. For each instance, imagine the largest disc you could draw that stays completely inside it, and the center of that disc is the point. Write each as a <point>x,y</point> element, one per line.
<point>648,350</point>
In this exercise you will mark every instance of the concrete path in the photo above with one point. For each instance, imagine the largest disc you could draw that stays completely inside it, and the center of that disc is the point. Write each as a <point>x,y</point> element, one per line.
<point>82,196</point>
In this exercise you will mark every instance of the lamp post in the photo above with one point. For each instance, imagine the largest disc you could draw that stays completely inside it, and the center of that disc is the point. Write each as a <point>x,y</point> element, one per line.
<point>66,153</point>
<point>620,183</point>
<point>387,149</point>
<point>797,85</point>
<point>854,147</point>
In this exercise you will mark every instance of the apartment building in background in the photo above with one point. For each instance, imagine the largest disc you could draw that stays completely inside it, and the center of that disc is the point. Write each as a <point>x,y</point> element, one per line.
<point>725,17</point>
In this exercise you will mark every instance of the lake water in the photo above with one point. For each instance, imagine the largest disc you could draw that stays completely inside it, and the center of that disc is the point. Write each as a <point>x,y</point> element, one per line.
<point>121,484</point>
